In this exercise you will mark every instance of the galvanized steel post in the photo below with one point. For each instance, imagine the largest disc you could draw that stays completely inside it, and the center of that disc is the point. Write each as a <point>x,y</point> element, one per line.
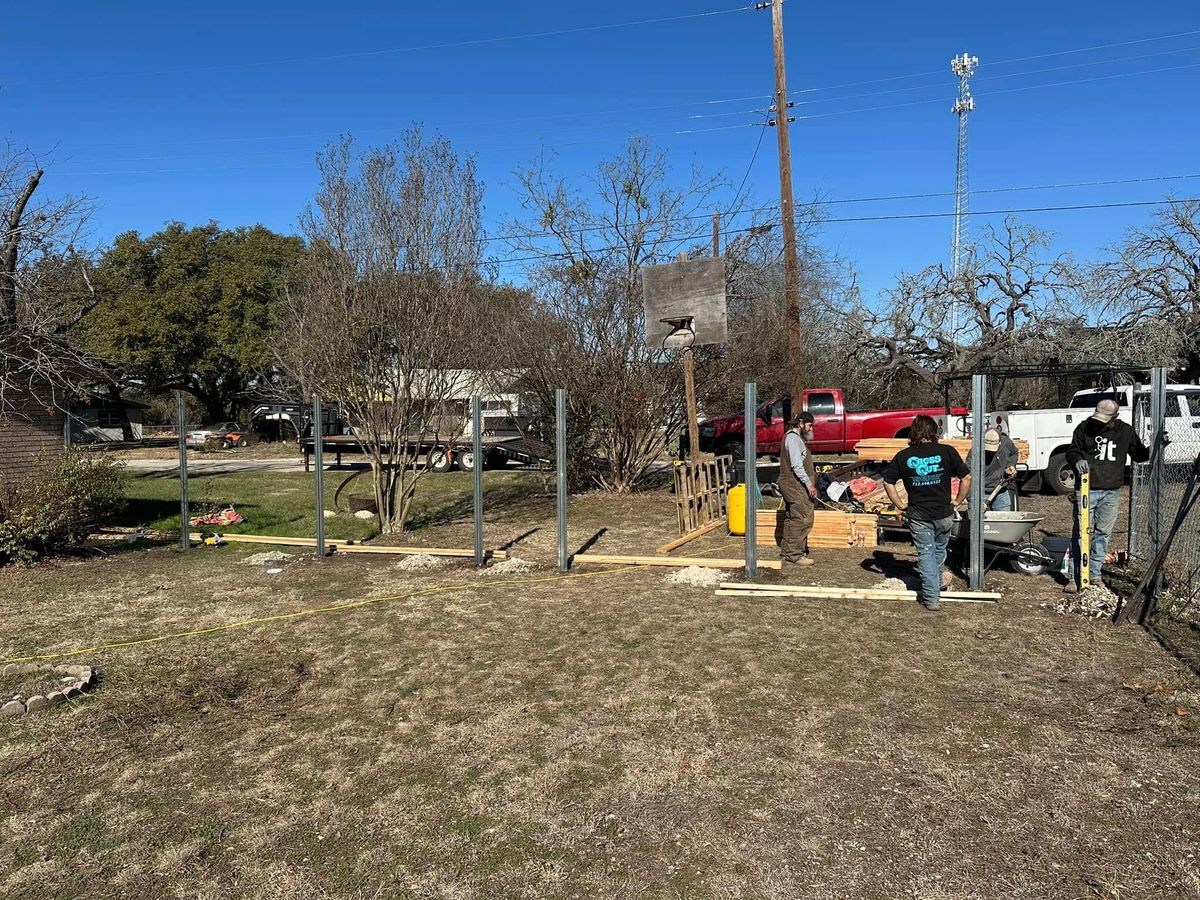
<point>181,424</point>
<point>477,474</point>
<point>1158,430</point>
<point>750,430</point>
<point>319,458</point>
<point>978,424</point>
<point>560,464</point>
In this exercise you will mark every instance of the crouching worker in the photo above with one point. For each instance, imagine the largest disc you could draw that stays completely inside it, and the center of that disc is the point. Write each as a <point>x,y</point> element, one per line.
<point>1000,464</point>
<point>798,484</point>
<point>926,468</point>
<point>1102,444</point>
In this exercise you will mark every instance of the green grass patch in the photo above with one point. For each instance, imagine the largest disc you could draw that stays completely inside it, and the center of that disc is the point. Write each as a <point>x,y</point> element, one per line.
<point>281,503</point>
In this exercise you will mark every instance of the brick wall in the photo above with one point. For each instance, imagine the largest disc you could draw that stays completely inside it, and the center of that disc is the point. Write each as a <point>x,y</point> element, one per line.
<point>31,440</point>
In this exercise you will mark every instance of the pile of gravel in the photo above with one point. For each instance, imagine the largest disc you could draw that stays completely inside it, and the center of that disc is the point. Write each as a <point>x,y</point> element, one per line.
<point>698,576</point>
<point>891,584</point>
<point>421,562</point>
<point>512,566</point>
<point>268,558</point>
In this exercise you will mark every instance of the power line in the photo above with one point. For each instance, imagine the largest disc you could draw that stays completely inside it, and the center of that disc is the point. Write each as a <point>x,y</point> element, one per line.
<point>1161,37</point>
<point>926,87</point>
<point>1000,62</point>
<point>1013,90</point>
<point>930,195</point>
<point>473,42</point>
<point>885,218</point>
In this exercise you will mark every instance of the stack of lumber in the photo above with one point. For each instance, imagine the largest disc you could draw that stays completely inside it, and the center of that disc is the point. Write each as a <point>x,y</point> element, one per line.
<point>883,449</point>
<point>822,592</point>
<point>832,530</point>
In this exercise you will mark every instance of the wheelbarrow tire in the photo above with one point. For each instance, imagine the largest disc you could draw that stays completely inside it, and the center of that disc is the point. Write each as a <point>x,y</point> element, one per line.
<point>1029,559</point>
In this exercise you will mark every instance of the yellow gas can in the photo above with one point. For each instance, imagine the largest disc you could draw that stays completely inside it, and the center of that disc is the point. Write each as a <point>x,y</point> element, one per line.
<point>737,509</point>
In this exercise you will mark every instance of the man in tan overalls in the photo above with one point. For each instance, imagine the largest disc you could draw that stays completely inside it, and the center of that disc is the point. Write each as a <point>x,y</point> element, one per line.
<point>798,484</point>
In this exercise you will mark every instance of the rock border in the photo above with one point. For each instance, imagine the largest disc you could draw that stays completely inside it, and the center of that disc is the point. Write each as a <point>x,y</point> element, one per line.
<point>76,681</point>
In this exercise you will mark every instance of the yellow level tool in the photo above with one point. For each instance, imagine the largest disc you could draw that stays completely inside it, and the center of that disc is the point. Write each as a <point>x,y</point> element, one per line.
<point>1085,531</point>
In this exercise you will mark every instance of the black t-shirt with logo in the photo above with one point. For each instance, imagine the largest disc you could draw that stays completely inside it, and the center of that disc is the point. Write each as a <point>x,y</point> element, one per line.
<point>926,470</point>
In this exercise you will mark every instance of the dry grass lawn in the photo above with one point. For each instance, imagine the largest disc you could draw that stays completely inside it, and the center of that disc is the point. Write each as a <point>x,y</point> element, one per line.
<point>603,735</point>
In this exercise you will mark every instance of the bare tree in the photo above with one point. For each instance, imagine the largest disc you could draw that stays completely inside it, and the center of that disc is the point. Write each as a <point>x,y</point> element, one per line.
<point>1011,303</point>
<point>385,325</point>
<point>757,347</point>
<point>45,287</point>
<point>1152,287</point>
<point>586,330</point>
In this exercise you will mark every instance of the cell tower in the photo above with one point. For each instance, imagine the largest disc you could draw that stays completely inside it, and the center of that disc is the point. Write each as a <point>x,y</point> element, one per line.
<point>963,67</point>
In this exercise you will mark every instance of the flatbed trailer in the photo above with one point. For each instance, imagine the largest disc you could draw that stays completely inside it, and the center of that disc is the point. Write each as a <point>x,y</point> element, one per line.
<point>502,448</point>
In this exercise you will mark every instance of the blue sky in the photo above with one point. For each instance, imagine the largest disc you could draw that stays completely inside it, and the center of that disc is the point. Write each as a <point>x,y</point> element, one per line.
<point>169,111</point>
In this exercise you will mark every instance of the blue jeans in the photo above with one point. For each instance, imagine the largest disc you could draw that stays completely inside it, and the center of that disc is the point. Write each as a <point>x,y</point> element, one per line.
<point>1003,502</point>
<point>931,540</point>
<point>1102,516</point>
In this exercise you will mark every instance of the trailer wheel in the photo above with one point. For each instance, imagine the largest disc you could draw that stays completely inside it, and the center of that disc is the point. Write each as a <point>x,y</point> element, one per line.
<point>1029,559</point>
<point>439,460</point>
<point>1059,474</point>
<point>465,460</point>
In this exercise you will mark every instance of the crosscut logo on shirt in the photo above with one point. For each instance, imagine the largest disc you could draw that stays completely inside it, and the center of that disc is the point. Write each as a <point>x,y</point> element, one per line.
<point>927,470</point>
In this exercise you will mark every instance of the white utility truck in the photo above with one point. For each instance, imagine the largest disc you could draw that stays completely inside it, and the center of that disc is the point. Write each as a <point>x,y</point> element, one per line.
<point>1049,431</point>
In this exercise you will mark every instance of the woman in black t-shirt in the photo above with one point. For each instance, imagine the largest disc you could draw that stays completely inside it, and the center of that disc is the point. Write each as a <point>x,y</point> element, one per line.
<point>926,467</point>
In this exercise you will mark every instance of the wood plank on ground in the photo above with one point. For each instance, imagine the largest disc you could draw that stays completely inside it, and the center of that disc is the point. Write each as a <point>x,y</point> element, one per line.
<point>950,595</point>
<point>670,561</point>
<point>349,546</point>
<point>692,535</point>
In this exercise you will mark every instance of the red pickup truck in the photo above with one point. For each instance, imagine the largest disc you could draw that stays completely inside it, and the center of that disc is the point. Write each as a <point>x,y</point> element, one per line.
<point>836,429</point>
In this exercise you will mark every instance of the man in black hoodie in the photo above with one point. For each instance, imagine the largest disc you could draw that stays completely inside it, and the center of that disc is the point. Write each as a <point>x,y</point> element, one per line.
<point>1101,445</point>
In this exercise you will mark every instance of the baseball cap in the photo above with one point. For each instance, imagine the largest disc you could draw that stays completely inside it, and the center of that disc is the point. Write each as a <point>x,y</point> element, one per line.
<point>991,440</point>
<point>1106,411</point>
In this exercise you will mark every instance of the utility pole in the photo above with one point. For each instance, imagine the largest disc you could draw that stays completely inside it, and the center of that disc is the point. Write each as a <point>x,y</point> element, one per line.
<point>791,266</point>
<point>963,67</point>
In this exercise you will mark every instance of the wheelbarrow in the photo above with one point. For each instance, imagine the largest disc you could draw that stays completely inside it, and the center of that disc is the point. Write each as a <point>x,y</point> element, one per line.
<point>1006,536</point>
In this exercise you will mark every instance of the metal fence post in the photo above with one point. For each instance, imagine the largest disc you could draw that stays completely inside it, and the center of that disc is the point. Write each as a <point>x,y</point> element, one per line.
<point>750,431</point>
<point>1158,469</point>
<point>319,457</point>
<point>1158,421</point>
<point>560,464</point>
<point>477,474</point>
<point>976,512</point>
<point>181,425</point>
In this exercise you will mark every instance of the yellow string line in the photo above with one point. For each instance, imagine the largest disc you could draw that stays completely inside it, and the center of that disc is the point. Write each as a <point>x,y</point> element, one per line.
<point>354,604</point>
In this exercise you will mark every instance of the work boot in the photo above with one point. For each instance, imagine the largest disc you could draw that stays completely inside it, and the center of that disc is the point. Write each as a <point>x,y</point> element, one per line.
<point>1071,588</point>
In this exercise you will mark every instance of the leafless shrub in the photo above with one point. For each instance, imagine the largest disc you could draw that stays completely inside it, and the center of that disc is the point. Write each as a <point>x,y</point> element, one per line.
<point>385,325</point>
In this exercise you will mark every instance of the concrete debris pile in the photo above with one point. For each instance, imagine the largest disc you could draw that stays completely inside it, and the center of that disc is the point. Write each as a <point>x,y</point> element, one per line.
<point>1097,602</point>
<point>262,559</point>
<point>698,576</point>
<point>420,562</point>
<point>511,566</point>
